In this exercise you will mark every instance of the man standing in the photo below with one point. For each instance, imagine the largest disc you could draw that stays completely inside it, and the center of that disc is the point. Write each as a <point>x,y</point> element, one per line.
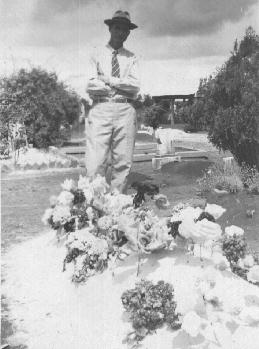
<point>113,85</point>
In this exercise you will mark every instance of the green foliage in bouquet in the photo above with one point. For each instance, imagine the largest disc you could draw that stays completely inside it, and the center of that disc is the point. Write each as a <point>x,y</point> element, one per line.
<point>43,104</point>
<point>72,254</point>
<point>238,270</point>
<point>242,259</point>
<point>78,218</point>
<point>79,197</point>
<point>174,226</point>
<point>150,306</point>
<point>92,264</point>
<point>206,215</point>
<point>89,255</point>
<point>234,248</point>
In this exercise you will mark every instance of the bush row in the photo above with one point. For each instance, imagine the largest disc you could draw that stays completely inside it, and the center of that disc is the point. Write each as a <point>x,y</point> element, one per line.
<point>37,100</point>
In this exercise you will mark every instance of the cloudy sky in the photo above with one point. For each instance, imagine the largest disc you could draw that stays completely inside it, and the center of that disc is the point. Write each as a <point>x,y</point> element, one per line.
<point>178,41</point>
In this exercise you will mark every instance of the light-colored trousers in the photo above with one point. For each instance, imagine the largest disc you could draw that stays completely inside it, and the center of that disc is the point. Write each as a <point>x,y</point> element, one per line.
<point>110,135</point>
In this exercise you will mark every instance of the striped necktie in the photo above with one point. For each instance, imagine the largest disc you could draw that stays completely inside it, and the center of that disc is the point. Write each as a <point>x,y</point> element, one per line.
<point>115,65</point>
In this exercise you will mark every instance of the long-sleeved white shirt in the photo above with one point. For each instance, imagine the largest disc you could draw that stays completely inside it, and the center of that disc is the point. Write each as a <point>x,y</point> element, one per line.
<point>127,85</point>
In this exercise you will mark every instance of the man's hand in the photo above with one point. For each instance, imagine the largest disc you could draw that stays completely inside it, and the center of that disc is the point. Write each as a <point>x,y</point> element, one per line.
<point>105,79</point>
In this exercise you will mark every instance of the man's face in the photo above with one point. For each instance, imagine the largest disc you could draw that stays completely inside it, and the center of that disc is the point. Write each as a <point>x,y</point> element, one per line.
<point>119,32</point>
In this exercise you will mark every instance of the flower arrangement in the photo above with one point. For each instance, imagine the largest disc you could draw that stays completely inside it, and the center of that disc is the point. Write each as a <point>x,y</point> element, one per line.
<point>100,226</point>
<point>234,248</point>
<point>153,231</point>
<point>88,214</point>
<point>89,253</point>
<point>81,205</point>
<point>243,263</point>
<point>200,231</point>
<point>196,224</point>
<point>149,307</point>
<point>199,226</point>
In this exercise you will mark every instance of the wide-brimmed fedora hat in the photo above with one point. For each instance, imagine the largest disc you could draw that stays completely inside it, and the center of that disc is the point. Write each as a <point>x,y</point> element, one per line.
<point>121,16</point>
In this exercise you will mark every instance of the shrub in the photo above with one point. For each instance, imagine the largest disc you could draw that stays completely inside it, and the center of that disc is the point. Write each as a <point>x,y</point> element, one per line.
<point>150,113</point>
<point>153,115</point>
<point>234,95</point>
<point>193,113</point>
<point>218,176</point>
<point>231,183</point>
<point>229,103</point>
<point>4,148</point>
<point>44,105</point>
<point>250,178</point>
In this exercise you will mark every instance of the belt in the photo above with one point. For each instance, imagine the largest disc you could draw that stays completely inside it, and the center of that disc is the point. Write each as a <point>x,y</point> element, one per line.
<point>112,100</point>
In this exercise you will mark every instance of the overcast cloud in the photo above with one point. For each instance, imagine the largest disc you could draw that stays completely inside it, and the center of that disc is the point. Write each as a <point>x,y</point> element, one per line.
<point>172,35</point>
<point>185,17</point>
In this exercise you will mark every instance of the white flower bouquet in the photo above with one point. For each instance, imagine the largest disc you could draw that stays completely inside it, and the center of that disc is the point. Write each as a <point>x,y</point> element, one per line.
<point>88,253</point>
<point>97,223</point>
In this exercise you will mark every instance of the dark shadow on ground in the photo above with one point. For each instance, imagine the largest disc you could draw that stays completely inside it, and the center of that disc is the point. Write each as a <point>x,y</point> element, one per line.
<point>139,177</point>
<point>171,174</point>
<point>185,172</point>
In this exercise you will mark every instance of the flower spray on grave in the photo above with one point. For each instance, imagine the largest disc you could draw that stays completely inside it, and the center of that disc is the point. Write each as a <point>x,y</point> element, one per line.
<point>149,307</point>
<point>242,262</point>
<point>100,226</point>
<point>196,226</point>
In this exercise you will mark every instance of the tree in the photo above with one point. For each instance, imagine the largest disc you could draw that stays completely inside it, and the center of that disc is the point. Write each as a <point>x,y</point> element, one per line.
<point>194,113</point>
<point>229,102</point>
<point>152,115</point>
<point>149,113</point>
<point>43,104</point>
<point>232,102</point>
